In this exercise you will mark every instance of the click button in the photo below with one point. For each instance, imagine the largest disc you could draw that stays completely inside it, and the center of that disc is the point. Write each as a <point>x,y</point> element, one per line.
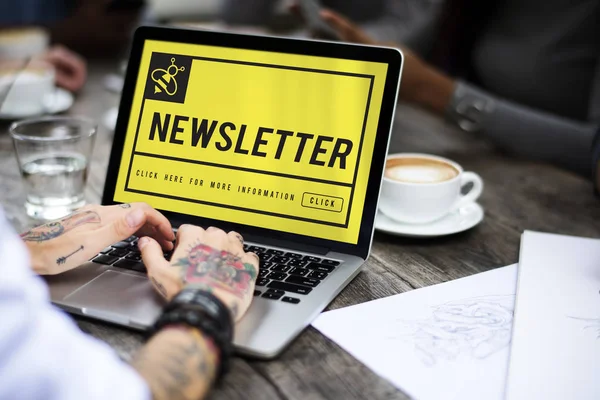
<point>322,202</point>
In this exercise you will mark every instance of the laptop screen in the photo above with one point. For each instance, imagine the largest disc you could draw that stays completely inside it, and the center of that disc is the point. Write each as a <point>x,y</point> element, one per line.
<point>265,139</point>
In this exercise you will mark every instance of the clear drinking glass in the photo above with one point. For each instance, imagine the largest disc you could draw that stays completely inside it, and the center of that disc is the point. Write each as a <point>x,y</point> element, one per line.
<point>53,154</point>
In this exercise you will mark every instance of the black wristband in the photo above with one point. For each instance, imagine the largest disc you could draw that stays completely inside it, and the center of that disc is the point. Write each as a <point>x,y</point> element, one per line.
<point>204,311</point>
<point>210,303</point>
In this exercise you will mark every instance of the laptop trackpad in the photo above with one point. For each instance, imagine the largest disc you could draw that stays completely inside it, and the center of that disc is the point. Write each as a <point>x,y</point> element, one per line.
<point>118,297</point>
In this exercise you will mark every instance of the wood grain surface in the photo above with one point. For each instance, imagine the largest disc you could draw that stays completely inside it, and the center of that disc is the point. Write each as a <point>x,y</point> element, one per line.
<point>518,195</point>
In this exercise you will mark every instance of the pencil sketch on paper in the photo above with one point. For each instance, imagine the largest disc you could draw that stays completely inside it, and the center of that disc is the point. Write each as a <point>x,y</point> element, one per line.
<point>590,323</point>
<point>474,328</point>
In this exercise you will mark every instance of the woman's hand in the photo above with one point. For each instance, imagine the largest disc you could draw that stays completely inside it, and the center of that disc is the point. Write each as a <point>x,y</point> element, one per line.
<point>71,69</point>
<point>421,83</point>
<point>64,244</point>
<point>208,259</point>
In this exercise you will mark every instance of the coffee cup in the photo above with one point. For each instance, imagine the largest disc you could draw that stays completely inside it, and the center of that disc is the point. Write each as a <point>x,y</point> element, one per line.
<point>23,43</point>
<point>421,188</point>
<point>27,89</point>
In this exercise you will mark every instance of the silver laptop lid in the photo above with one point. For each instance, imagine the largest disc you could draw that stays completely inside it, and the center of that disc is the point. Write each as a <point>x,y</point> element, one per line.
<point>280,139</point>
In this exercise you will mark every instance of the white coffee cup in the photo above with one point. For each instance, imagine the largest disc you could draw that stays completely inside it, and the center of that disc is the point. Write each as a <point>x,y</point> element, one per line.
<point>421,188</point>
<point>29,89</point>
<point>22,43</point>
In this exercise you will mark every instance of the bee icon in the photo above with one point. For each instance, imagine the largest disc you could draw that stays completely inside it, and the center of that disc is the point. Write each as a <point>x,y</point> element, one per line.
<point>165,79</point>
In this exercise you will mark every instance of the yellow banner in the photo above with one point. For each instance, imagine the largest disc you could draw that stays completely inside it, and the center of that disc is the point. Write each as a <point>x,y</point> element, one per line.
<point>264,139</point>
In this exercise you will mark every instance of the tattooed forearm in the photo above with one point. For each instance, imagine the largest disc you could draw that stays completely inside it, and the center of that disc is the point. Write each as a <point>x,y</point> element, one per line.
<point>178,364</point>
<point>62,260</point>
<point>55,229</point>
<point>205,266</point>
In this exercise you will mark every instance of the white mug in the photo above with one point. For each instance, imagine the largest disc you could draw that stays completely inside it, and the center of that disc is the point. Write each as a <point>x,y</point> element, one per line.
<point>23,43</point>
<point>421,188</point>
<point>29,89</point>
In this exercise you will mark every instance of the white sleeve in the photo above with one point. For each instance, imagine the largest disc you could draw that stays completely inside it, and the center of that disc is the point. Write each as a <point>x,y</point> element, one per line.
<point>43,354</point>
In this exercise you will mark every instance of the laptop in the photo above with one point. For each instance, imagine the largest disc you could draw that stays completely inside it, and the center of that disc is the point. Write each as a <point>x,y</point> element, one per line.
<point>282,140</point>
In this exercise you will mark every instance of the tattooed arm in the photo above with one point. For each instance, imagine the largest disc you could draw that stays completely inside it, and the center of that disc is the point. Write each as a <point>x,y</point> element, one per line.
<point>63,244</point>
<point>180,362</point>
<point>208,259</point>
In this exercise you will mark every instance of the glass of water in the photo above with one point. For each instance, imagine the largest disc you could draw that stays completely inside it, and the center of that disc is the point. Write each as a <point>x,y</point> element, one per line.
<point>53,154</point>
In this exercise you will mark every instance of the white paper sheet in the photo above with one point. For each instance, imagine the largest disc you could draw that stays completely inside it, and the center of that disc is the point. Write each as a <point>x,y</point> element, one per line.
<point>446,341</point>
<point>556,338</point>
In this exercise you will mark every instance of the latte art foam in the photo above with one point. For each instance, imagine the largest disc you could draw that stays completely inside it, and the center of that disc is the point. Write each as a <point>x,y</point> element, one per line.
<point>419,171</point>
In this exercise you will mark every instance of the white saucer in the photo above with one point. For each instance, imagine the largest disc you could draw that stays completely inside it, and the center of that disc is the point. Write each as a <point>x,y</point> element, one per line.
<point>458,221</point>
<point>58,101</point>
<point>110,119</point>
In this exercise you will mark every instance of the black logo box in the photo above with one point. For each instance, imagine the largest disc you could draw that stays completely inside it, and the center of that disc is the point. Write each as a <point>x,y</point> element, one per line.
<point>164,70</point>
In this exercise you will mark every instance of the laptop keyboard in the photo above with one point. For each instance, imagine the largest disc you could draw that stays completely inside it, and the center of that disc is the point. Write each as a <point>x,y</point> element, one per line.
<point>283,276</point>
<point>124,255</point>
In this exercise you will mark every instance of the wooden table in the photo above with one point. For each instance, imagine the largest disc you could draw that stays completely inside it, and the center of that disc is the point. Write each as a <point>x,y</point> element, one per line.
<point>518,195</point>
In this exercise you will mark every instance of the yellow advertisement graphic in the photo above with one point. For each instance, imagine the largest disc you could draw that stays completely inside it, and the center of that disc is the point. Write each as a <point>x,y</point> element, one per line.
<point>271,140</point>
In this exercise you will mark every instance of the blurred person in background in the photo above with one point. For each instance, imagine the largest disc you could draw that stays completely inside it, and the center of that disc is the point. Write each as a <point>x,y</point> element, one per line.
<point>76,28</point>
<point>525,76</point>
<point>407,21</point>
<point>90,27</point>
